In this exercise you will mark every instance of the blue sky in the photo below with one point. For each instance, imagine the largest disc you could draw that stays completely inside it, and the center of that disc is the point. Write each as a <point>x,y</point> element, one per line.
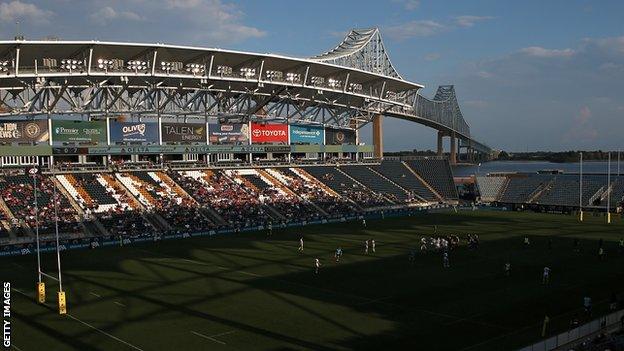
<point>529,74</point>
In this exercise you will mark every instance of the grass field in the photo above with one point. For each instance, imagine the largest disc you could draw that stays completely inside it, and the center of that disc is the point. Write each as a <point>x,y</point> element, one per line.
<point>250,292</point>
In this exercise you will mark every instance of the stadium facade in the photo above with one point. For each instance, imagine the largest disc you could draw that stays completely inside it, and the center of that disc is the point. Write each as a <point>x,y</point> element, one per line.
<point>104,83</point>
<point>154,140</point>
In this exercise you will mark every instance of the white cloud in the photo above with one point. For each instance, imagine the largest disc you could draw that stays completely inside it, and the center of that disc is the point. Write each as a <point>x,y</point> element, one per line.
<point>107,14</point>
<point>476,103</point>
<point>469,21</point>
<point>581,128</point>
<point>417,28</point>
<point>411,5</point>
<point>432,56</point>
<point>17,10</point>
<point>538,51</point>
<point>214,20</point>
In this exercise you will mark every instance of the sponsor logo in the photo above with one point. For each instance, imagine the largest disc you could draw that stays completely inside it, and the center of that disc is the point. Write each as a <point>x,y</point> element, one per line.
<point>137,129</point>
<point>185,133</point>
<point>32,130</point>
<point>66,131</point>
<point>227,128</point>
<point>20,130</point>
<point>9,131</point>
<point>269,133</point>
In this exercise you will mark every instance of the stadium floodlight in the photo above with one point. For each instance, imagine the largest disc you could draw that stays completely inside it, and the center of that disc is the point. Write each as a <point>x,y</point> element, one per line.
<point>71,64</point>
<point>316,81</point>
<point>224,70</point>
<point>355,87</point>
<point>170,66</point>
<point>247,72</point>
<point>107,64</point>
<point>136,65</point>
<point>274,75</point>
<point>49,62</point>
<point>195,68</point>
<point>334,83</point>
<point>4,66</point>
<point>293,77</point>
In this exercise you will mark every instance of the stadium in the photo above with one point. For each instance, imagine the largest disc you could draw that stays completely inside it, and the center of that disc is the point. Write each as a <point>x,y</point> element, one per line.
<point>158,197</point>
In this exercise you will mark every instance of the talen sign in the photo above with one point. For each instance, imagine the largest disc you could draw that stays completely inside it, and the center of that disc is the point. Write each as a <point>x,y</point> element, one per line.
<point>183,132</point>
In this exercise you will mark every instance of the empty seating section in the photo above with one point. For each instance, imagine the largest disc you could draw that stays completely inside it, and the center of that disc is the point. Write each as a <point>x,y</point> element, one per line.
<point>378,184</point>
<point>617,192</point>
<point>347,187</point>
<point>437,173</point>
<point>400,174</point>
<point>18,194</point>
<point>490,187</point>
<point>520,188</point>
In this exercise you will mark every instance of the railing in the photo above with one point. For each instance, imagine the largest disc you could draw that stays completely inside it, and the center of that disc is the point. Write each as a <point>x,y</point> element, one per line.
<point>566,340</point>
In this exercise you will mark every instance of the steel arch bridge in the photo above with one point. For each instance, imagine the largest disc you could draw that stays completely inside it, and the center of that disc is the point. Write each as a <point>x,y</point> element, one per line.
<point>349,86</point>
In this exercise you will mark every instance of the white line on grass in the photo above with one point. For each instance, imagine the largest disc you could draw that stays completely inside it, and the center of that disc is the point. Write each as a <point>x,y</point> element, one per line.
<point>119,304</point>
<point>208,337</point>
<point>94,328</point>
<point>105,333</point>
<point>94,294</point>
<point>15,347</point>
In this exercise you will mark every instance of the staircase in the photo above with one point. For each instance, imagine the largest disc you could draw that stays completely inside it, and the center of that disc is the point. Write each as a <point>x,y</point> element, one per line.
<point>397,185</point>
<point>362,185</point>
<point>540,190</point>
<point>433,191</point>
<point>66,184</point>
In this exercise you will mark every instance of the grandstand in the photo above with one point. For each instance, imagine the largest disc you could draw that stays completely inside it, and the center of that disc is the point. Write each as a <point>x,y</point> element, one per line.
<point>139,202</point>
<point>552,190</point>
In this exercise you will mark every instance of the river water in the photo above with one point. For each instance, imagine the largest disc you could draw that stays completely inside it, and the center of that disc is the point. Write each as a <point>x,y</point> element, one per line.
<point>597,167</point>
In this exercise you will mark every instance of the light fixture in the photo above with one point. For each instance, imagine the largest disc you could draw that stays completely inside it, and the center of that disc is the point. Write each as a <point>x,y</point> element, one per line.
<point>316,81</point>
<point>334,83</point>
<point>293,77</point>
<point>170,66</point>
<point>195,68</point>
<point>274,75</point>
<point>107,64</point>
<point>247,72</point>
<point>49,62</point>
<point>71,64</point>
<point>136,65</point>
<point>355,87</point>
<point>224,70</point>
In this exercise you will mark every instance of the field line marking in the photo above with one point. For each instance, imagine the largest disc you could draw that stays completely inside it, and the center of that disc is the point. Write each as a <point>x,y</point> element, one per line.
<point>15,347</point>
<point>94,328</point>
<point>375,300</point>
<point>119,304</point>
<point>105,333</point>
<point>94,294</point>
<point>208,337</point>
<point>225,333</point>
